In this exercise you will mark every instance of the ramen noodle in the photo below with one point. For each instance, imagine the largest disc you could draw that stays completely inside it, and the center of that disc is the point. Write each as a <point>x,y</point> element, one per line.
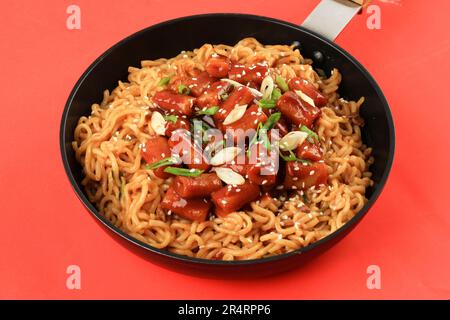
<point>135,191</point>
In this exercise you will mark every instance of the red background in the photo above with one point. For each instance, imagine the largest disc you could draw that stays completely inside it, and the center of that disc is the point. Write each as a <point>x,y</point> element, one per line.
<point>44,228</point>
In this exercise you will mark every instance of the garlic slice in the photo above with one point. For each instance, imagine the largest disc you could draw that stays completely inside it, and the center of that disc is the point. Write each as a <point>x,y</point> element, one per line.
<point>229,176</point>
<point>235,114</point>
<point>225,155</point>
<point>267,87</point>
<point>158,123</point>
<point>293,139</point>
<point>237,84</point>
<point>305,98</point>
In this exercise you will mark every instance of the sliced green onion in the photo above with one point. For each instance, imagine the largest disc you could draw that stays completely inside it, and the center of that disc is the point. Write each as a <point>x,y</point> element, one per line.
<point>276,94</point>
<point>293,157</point>
<point>171,118</point>
<point>161,163</point>
<point>202,127</point>
<point>163,81</point>
<point>311,134</point>
<point>282,83</point>
<point>272,102</point>
<point>196,123</point>
<point>290,157</point>
<point>261,132</point>
<point>273,119</point>
<point>254,139</point>
<point>183,89</point>
<point>209,111</point>
<point>266,104</point>
<point>264,138</point>
<point>183,171</point>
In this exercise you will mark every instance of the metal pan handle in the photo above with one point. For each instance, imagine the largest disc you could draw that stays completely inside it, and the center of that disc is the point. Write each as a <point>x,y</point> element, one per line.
<point>330,17</point>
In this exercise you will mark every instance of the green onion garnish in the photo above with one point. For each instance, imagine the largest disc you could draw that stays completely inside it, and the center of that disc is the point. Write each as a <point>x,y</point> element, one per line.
<point>311,134</point>
<point>161,163</point>
<point>163,81</point>
<point>273,119</point>
<point>282,83</point>
<point>264,138</point>
<point>171,118</point>
<point>261,132</point>
<point>276,94</point>
<point>254,139</point>
<point>183,89</point>
<point>183,171</point>
<point>290,157</point>
<point>209,111</point>
<point>272,102</point>
<point>201,126</point>
<point>266,103</point>
<point>293,157</point>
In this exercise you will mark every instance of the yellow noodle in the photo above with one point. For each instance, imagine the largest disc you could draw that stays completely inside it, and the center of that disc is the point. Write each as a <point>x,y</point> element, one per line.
<point>107,144</point>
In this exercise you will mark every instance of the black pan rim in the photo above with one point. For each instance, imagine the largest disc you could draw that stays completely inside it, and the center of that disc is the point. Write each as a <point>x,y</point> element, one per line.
<point>198,261</point>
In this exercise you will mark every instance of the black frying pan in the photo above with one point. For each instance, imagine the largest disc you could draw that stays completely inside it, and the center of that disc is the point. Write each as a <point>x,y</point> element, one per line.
<point>167,39</point>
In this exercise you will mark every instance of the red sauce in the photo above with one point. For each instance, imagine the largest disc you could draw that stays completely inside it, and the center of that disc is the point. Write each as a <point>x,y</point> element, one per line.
<point>194,197</point>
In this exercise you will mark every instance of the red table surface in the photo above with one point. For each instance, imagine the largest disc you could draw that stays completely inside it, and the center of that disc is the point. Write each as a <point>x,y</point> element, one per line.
<point>44,227</point>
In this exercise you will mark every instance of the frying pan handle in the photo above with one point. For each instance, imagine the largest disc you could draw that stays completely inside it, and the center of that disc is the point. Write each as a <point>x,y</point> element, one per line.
<point>330,17</point>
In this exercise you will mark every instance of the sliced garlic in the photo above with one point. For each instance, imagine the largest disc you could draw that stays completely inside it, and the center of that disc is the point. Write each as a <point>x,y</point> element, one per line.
<point>292,140</point>
<point>305,98</point>
<point>225,155</point>
<point>237,84</point>
<point>235,114</point>
<point>158,123</point>
<point>229,176</point>
<point>267,87</point>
